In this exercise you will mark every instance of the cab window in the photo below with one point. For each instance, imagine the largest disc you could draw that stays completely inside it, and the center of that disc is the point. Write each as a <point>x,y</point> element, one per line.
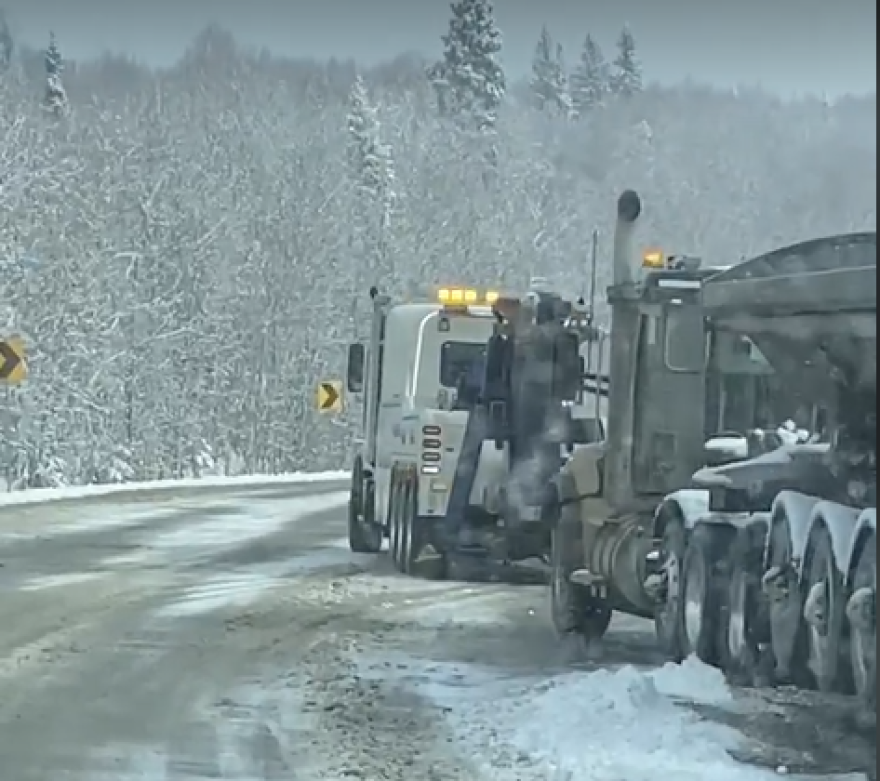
<point>461,358</point>
<point>685,351</point>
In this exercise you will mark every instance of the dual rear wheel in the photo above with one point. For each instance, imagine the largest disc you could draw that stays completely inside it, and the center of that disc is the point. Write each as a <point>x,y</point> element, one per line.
<point>364,533</point>
<point>409,535</point>
<point>766,623</point>
<point>694,577</point>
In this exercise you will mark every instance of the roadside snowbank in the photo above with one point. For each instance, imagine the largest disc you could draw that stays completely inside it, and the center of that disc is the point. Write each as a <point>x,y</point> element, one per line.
<point>620,725</point>
<point>39,495</point>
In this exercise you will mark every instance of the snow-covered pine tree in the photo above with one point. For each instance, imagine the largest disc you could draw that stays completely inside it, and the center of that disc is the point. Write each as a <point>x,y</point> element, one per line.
<point>563,95</point>
<point>372,170</point>
<point>371,161</point>
<point>469,80</point>
<point>549,83</point>
<point>55,99</point>
<point>590,81</point>
<point>627,75</point>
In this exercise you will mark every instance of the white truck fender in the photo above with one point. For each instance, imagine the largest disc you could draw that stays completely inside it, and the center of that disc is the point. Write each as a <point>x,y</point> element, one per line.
<point>797,509</point>
<point>690,504</point>
<point>866,523</point>
<point>841,522</point>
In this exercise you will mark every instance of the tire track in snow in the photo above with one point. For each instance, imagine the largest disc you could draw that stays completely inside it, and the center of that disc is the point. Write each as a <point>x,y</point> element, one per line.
<point>213,541</point>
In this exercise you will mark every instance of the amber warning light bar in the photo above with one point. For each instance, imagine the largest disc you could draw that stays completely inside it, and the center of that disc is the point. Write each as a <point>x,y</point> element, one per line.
<point>460,296</point>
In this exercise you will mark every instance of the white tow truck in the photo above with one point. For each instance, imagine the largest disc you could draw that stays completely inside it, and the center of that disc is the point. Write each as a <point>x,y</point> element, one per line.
<point>411,372</point>
<point>469,407</point>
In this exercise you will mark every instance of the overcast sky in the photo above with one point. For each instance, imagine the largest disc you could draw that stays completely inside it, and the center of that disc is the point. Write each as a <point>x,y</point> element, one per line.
<point>821,46</point>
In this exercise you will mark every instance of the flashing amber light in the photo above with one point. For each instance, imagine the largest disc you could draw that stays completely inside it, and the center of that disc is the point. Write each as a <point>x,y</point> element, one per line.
<point>458,296</point>
<point>653,259</point>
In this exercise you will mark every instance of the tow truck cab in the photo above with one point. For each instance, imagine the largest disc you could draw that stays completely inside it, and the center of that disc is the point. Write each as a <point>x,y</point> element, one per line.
<point>414,375</point>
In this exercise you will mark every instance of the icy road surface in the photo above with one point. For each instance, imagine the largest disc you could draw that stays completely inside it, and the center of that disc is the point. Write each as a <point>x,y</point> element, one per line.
<point>229,634</point>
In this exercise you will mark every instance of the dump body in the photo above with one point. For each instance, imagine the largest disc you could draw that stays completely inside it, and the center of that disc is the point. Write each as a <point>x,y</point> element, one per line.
<point>812,310</point>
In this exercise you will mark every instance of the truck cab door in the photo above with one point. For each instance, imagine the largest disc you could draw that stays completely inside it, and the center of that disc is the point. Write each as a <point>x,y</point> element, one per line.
<point>669,399</point>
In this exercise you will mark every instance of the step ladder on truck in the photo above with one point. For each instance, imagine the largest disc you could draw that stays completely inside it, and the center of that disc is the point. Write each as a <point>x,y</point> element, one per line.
<point>469,408</point>
<point>764,565</point>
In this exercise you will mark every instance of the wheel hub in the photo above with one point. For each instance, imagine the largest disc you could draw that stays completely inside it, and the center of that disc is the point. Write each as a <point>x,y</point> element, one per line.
<point>816,614</point>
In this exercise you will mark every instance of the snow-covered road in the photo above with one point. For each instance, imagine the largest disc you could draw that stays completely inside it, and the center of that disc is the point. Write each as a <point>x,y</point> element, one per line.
<point>229,634</point>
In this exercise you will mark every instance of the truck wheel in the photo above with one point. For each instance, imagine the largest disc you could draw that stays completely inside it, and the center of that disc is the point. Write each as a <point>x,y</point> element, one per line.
<point>862,615</point>
<point>824,612</point>
<point>740,631</point>
<point>781,584</point>
<point>395,530</point>
<point>700,596</point>
<point>573,612</point>
<point>669,615</point>
<point>421,558</point>
<point>364,534</point>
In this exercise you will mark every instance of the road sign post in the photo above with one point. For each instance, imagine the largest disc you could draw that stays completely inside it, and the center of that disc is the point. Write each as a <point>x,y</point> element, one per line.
<point>329,396</point>
<point>13,368</point>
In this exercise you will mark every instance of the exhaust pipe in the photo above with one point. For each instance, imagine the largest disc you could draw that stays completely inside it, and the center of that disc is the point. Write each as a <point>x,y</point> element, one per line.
<point>627,265</point>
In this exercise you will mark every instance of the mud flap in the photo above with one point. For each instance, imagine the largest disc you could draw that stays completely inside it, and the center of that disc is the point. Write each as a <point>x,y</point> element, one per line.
<point>465,475</point>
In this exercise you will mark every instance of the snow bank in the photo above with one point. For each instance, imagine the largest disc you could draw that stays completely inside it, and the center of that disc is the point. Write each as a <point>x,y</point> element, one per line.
<point>625,725</point>
<point>39,495</point>
<point>620,725</point>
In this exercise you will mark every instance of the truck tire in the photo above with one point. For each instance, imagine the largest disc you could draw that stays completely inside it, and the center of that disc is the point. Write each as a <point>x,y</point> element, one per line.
<point>701,595</point>
<point>573,612</point>
<point>782,587</point>
<point>824,613</point>
<point>743,616</point>
<point>420,558</point>
<point>364,534</point>
<point>862,612</point>
<point>395,526</point>
<point>669,615</point>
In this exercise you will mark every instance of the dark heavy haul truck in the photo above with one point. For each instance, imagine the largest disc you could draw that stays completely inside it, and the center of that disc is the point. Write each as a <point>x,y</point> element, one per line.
<point>766,562</point>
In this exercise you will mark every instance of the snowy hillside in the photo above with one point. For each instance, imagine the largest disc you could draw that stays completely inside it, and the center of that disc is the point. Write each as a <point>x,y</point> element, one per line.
<point>182,251</point>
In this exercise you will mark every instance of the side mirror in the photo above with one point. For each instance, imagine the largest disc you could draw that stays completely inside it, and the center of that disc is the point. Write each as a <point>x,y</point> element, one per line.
<point>354,370</point>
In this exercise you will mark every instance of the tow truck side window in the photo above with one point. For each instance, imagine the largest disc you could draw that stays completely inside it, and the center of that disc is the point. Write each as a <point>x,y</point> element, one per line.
<point>458,358</point>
